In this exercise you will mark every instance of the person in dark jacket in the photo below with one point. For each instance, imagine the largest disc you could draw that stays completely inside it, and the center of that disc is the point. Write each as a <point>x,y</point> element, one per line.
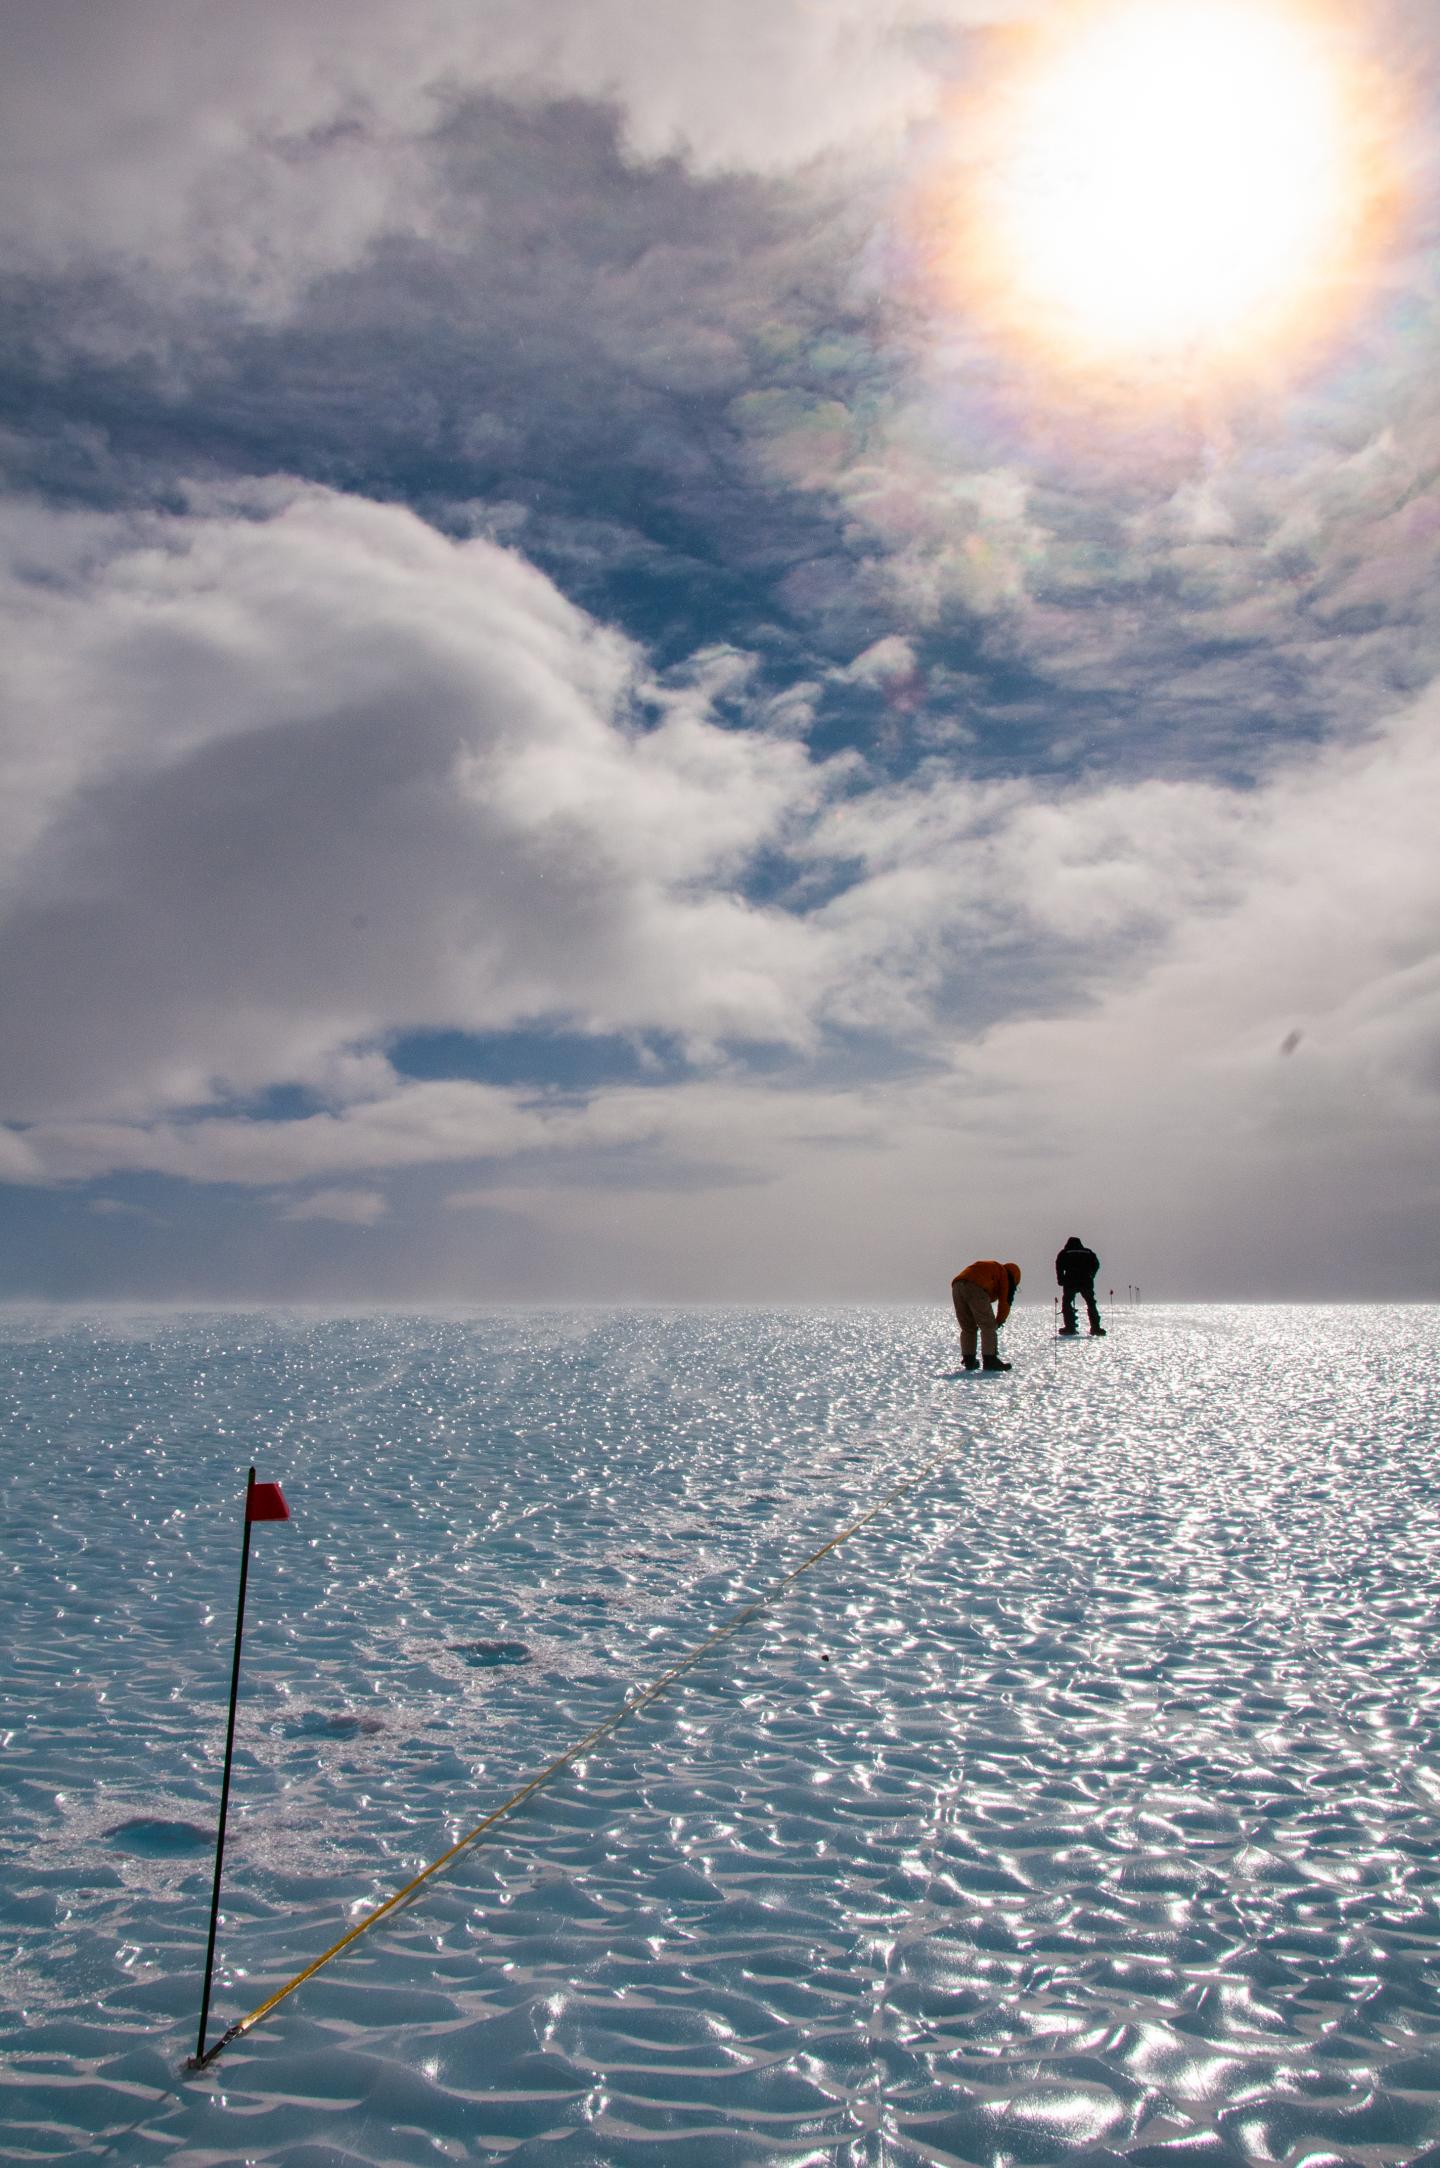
<point>982,1295</point>
<point>1075,1269</point>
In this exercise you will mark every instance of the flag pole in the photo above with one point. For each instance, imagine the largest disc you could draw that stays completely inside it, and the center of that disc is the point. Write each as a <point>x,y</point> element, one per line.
<point>225,1783</point>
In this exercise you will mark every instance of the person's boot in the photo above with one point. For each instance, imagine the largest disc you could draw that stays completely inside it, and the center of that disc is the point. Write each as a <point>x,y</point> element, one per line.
<point>971,1362</point>
<point>1068,1332</point>
<point>1097,1332</point>
<point>993,1362</point>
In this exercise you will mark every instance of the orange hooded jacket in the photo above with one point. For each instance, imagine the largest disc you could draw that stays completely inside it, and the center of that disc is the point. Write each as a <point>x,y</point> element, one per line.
<point>998,1281</point>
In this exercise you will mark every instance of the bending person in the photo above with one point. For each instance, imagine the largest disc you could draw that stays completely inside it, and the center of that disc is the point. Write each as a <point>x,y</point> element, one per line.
<point>982,1295</point>
<point>1075,1269</point>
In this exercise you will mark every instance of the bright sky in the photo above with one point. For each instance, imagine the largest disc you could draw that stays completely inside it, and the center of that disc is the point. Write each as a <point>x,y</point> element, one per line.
<point>743,650</point>
<point>1168,178</point>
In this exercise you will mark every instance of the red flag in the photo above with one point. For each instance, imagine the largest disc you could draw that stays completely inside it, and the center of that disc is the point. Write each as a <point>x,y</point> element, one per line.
<point>266,1502</point>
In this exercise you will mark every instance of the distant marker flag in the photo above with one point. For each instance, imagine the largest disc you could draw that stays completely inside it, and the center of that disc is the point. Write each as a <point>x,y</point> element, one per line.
<point>263,1502</point>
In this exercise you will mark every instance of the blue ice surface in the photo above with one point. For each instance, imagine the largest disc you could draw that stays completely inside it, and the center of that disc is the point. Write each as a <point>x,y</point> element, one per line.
<point>1082,1807</point>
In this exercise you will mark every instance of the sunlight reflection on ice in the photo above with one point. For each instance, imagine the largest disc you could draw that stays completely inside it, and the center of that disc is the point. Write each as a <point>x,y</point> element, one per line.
<point>1087,1800</point>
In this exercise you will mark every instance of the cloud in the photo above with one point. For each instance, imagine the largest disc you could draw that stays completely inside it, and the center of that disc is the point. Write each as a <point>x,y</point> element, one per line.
<point>258,151</point>
<point>1137,1091</point>
<point>731,353</point>
<point>621,300</point>
<point>883,664</point>
<point>17,1159</point>
<point>422,1125</point>
<point>340,777</point>
<point>347,1207</point>
<point>293,771</point>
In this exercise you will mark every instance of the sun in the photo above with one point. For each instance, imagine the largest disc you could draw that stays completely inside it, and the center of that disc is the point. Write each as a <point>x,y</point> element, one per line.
<point>1159,180</point>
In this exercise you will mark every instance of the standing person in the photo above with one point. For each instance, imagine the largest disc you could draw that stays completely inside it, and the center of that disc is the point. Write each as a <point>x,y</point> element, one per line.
<point>982,1295</point>
<point>1075,1269</point>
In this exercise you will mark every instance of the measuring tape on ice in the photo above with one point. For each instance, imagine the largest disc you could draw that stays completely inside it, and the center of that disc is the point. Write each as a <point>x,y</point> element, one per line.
<point>552,1769</point>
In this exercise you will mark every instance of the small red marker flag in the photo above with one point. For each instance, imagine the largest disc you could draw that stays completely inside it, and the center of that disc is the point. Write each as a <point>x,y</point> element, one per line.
<point>266,1502</point>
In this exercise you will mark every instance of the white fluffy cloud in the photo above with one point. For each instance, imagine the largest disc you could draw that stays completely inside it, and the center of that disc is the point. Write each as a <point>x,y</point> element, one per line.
<point>339,775</point>
<point>1236,1095</point>
<point>295,771</point>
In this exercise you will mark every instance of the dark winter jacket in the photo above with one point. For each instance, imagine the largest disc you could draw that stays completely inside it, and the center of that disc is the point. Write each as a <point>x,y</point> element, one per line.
<point>1076,1266</point>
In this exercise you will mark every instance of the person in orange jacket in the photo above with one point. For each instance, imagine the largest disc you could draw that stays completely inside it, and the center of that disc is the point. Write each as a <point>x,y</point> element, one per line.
<point>982,1295</point>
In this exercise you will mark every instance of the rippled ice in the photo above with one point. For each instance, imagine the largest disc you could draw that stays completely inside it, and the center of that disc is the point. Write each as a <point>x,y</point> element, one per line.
<point>1082,1808</point>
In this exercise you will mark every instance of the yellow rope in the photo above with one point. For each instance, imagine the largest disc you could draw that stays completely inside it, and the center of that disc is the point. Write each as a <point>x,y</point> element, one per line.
<point>562,1761</point>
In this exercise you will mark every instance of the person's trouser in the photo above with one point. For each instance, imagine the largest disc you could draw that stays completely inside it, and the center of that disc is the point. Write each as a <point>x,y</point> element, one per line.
<point>975,1315</point>
<point>1067,1306</point>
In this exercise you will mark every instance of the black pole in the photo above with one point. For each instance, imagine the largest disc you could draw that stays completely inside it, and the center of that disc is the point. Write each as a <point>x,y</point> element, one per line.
<point>225,1785</point>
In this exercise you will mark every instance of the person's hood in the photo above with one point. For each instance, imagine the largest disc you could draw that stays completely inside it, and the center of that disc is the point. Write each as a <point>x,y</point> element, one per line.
<point>1012,1273</point>
<point>1073,1242</point>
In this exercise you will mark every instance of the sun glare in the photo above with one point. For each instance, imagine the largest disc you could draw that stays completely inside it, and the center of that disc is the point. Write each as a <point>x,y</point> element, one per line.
<point>1161,179</point>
